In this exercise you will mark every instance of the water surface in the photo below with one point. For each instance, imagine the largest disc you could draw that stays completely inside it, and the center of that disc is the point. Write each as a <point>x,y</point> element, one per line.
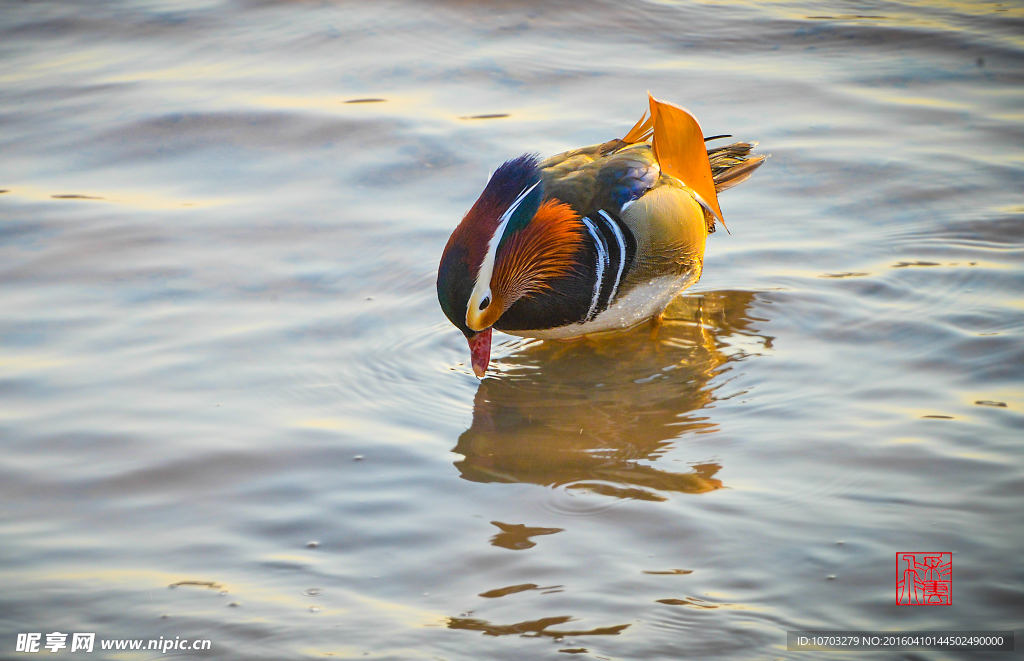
<point>223,366</point>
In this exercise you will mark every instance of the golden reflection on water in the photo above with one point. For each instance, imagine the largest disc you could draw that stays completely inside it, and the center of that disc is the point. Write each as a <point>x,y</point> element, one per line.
<point>597,414</point>
<point>516,536</point>
<point>138,199</point>
<point>513,589</point>
<point>532,628</point>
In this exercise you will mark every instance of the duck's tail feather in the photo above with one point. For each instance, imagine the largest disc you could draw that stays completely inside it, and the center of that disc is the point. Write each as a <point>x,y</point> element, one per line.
<point>733,164</point>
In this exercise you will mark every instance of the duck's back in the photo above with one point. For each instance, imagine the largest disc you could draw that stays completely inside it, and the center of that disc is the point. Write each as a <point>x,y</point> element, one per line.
<point>622,183</point>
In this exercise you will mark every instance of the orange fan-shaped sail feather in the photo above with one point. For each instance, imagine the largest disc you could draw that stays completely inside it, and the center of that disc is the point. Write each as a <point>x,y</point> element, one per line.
<point>678,145</point>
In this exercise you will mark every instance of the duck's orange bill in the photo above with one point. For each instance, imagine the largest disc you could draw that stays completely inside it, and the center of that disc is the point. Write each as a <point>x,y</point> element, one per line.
<point>480,352</point>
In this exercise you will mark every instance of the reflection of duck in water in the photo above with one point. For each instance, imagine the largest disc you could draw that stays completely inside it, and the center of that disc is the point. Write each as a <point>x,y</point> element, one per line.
<point>595,239</point>
<point>596,414</point>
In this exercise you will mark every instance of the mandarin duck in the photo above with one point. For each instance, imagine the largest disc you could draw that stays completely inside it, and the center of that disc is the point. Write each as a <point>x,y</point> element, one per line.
<point>591,240</point>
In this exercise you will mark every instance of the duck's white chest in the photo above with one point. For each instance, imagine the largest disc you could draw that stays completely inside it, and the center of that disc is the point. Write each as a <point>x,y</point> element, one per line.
<point>635,307</point>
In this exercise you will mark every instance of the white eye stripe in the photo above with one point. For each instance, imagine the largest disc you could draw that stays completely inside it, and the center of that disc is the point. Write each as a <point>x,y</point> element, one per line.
<point>519,200</point>
<point>621,240</point>
<point>602,259</point>
<point>499,233</point>
<point>482,286</point>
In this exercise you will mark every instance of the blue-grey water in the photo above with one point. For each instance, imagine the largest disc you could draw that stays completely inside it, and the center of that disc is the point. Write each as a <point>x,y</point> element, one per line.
<point>222,362</point>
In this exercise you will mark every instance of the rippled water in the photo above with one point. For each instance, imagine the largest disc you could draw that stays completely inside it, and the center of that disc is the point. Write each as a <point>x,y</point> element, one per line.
<point>223,367</point>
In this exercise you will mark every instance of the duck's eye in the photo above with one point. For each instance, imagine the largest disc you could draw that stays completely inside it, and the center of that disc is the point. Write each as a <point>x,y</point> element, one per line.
<point>484,303</point>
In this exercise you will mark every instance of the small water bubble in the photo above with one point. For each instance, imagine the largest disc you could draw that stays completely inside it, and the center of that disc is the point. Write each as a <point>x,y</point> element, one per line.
<point>357,457</point>
<point>222,593</point>
<point>831,577</point>
<point>164,616</point>
<point>234,604</point>
<point>313,592</point>
<point>314,609</point>
<point>312,545</point>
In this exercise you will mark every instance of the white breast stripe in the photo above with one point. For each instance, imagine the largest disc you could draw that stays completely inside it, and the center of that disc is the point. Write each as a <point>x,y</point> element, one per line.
<point>622,253</point>
<point>602,259</point>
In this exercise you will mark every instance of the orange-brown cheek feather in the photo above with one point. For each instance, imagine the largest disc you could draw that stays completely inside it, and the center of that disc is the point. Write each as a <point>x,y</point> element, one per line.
<point>538,254</point>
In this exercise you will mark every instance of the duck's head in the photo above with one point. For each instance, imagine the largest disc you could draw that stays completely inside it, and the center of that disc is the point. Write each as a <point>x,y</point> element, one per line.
<point>508,246</point>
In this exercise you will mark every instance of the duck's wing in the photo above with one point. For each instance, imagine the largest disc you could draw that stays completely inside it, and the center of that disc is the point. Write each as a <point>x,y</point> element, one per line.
<point>619,191</point>
<point>659,196</point>
<point>603,177</point>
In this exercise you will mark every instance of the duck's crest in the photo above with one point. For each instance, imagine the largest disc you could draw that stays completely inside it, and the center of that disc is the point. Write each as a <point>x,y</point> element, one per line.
<point>506,185</point>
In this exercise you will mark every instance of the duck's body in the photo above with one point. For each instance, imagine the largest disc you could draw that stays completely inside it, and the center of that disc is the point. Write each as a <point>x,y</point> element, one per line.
<point>635,254</point>
<point>592,240</point>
